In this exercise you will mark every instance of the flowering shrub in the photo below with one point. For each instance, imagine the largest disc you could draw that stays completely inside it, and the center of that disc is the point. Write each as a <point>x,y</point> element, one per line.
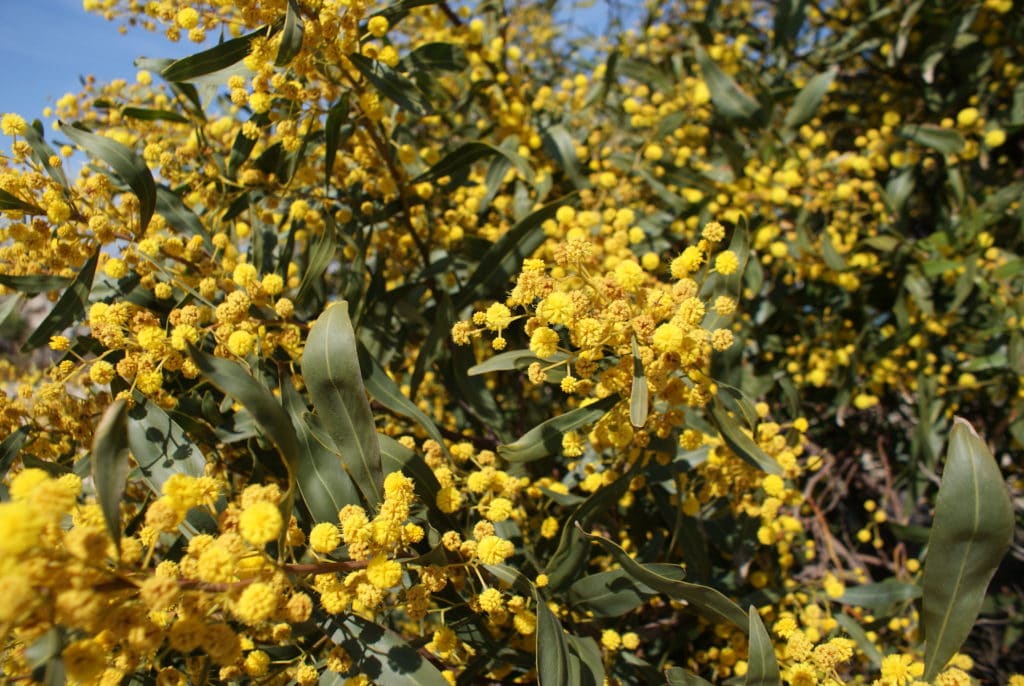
<point>422,344</point>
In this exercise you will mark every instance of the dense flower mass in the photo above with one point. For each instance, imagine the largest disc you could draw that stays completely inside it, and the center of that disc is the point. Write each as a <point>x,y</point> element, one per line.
<point>425,340</point>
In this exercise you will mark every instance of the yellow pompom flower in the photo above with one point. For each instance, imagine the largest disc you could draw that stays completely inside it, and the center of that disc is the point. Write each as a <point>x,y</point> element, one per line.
<point>726,263</point>
<point>688,262</point>
<point>668,338</point>
<point>383,573</point>
<point>628,275</point>
<point>498,510</point>
<point>378,26</point>
<point>544,342</point>
<point>241,343</point>
<point>449,499</point>
<point>493,550</point>
<point>260,523</point>
<point>187,18</point>
<point>115,268</point>
<point>324,537</point>
<point>256,604</point>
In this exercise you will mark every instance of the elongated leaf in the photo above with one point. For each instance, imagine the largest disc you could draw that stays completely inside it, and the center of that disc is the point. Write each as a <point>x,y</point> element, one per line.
<point>507,254</point>
<point>291,38</point>
<point>69,308</point>
<point>881,597</point>
<point>505,361</point>
<point>43,152</point>
<point>729,99</point>
<point>31,285</point>
<point>437,57</point>
<point>146,114</point>
<point>762,666</point>
<point>740,443</point>
<point>330,366</point>
<point>219,57</point>
<point>16,204</point>
<point>789,17</point>
<point>123,162</point>
<point>170,206</point>
<point>615,593</point>
<point>391,84</point>
<point>10,447</point>
<point>860,637</point>
<point>324,485</point>
<point>381,654</point>
<point>160,446</point>
<point>110,465</point>
<point>320,256</point>
<point>387,393</point>
<point>808,100</point>
<point>552,648</point>
<point>546,438</point>
<point>677,676</point>
<point>946,141</point>
<point>638,407</point>
<point>972,530</point>
<point>234,380</point>
<point>559,144</point>
<point>586,666</point>
<point>703,599</point>
<point>337,129</point>
<point>568,560</point>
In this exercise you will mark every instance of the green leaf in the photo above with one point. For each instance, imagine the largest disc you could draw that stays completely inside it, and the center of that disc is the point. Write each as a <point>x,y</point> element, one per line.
<point>972,531</point>
<point>881,597</point>
<point>160,446</point>
<point>124,163</point>
<point>860,637</point>
<point>946,141</point>
<point>387,393</point>
<point>110,465</point>
<point>586,665</point>
<point>703,599</point>
<point>69,308</point>
<point>559,144</point>
<point>506,255</point>
<point>833,260</point>
<point>437,57</point>
<point>808,100</point>
<point>320,256</point>
<point>677,676</point>
<point>789,17</point>
<point>170,206</point>
<point>234,380</point>
<point>291,38</point>
<point>242,146</point>
<point>324,485</point>
<point>638,400</point>
<point>219,57</point>
<point>615,593</point>
<point>739,442</point>
<point>10,447</point>
<point>43,152</point>
<point>145,114</point>
<point>459,159</point>
<point>337,129</point>
<point>9,202</point>
<point>568,559</point>
<point>552,647</point>
<point>381,654</point>
<point>509,360</point>
<point>36,283</point>
<point>330,367</point>
<point>729,99</point>
<point>762,666</point>
<point>546,438</point>
<point>391,84</point>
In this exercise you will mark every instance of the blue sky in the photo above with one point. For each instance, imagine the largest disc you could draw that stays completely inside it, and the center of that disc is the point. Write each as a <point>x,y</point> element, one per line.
<point>46,45</point>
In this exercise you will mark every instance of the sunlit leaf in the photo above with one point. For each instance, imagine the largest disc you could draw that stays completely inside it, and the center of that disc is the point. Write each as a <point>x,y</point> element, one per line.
<point>971,532</point>
<point>69,308</point>
<point>615,593</point>
<point>739,442</point>
<point>638,401</point>
<point>330,367</point>
<point>43,153</point>
<point>880,597</point>
<point>391,84</point>
<point>946,141</point>
<point>437,56</point>
<point>381,654</point>
<point>552,648</point>
<point>13,203</point>
<point>148,114</point>
<point>123,162</point>
<point>677,676</point>
<point>291,36</point>
<point>160,446</point>
<point>546,438</point>
<point>729,99</point>
<point>31,285</point>
<point>808,100</point>
<point>704,600</point>
<point>110,465</point>
<point>762,666</point>
<point>219,57</point>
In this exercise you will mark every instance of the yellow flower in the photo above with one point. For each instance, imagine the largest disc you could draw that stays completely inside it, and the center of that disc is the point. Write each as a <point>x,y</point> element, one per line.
<point>726,263</point>
<point>668,338</point>
<point>493,550</point>
<point>383,573</point>
<point>324,537</point>
<point>687,263</point>
<point>544,342</point>
<point>378,26</point>
<point>260,523</point>
<point>13,125</point>
<point>498,510</point>
<point>256,603</point>
<point>449,499</point>
<point>187,18</point>
<point>241,343</point>
<point>628,275</point>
